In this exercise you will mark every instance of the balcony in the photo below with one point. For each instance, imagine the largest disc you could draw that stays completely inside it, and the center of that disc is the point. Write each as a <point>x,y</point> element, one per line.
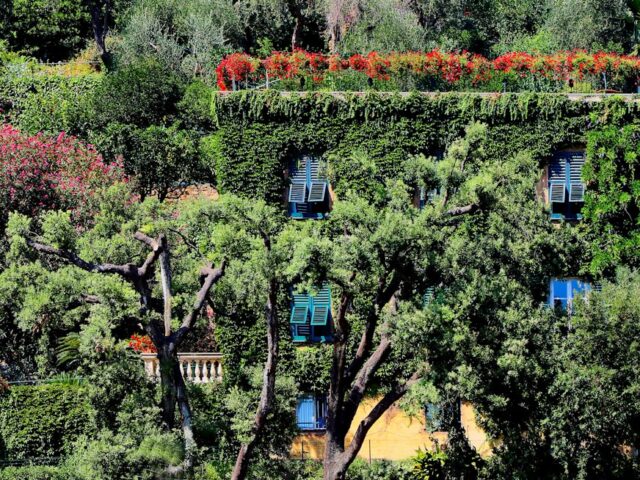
<point>195,367</point>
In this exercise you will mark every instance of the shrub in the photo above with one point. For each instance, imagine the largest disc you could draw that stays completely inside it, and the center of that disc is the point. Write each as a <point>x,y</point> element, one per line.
<point>44,173</point>
<point>37,473</point>
<point>378,470</point>
<point>40,421</point>
<point>429,465</point>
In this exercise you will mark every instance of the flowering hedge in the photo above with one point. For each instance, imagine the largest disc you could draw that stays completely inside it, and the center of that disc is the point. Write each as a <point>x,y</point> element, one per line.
<point>40,172</point>
<point>435,69</point>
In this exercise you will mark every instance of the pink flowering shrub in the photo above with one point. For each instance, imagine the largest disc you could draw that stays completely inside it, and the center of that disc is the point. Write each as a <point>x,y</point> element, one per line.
<point>42,173</point>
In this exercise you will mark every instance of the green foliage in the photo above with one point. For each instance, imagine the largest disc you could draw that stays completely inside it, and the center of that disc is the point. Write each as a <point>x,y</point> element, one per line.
<point>429,465</point>
<point>50,31</point>
<point>379,470</point>
<point>384,26</point>
<point>142,94</point>
<point>42,421</point>
<point>613,198</point>
<point>161,159</point>
<point>186,36</point>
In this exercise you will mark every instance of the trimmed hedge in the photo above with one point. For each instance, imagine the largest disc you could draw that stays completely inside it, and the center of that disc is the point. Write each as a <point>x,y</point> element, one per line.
<point>39,421</point>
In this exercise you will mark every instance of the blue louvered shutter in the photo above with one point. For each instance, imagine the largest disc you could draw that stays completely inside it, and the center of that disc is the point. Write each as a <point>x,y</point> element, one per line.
<point>321,307</point>
<point>298,187</point>
<point>300,309</point>
<point>557,180</point>
<point>422,197</point>
<point>297,192</point>
<point>428,295</point>
<point>306,413</point>
<point>317,185</point>
<point>433,415</point>
<point>576,187</point>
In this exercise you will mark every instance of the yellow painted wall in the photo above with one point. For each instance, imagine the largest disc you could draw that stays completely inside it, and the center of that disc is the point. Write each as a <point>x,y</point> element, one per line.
<point>395,436</point>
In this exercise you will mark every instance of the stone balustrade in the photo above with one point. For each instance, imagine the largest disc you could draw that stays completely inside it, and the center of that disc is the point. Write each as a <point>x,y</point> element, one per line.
<point>195,367</point>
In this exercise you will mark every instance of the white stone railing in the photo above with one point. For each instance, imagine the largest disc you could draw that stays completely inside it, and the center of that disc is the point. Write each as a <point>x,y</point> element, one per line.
<point>195,367</point>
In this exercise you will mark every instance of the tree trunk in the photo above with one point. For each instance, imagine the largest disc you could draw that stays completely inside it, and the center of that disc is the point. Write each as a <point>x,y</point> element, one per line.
<point>169,374</point>
<point>334,466</point>
<point>268,388</point>
<point>187,427</point>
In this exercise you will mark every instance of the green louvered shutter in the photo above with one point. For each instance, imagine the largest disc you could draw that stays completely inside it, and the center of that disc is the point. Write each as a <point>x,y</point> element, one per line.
<point>576,187</point>
<point>300,308</point>
<point>321,307</point>
<point>557,180</point>
<point>428,295</point>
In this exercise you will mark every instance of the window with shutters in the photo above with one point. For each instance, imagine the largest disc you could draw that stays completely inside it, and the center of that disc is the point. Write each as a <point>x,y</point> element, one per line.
<point>311,316</point>
<point>566,189</point>
<point>563,291</point>
<point>308,194</point>
<point>311,412</point>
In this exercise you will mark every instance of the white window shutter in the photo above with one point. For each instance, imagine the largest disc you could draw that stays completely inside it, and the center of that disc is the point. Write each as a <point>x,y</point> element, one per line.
<point>297,192</point>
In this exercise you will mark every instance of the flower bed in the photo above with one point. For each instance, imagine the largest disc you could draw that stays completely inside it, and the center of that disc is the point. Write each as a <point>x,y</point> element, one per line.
<point>432,71</point>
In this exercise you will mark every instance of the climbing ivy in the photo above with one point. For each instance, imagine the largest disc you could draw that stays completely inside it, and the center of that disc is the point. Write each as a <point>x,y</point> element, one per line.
<point>259,133</point>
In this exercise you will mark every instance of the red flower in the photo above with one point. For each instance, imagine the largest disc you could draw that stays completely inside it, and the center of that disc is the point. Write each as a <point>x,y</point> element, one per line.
<point>142,344</point>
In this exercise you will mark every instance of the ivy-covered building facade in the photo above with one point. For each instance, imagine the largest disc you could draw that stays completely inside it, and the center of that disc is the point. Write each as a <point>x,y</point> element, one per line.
<point>297,150</point>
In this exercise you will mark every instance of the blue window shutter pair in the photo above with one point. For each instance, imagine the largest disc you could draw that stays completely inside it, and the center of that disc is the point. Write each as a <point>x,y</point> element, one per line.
<point>306,184</point>
<point>310,315</point>
<point>565,178</point>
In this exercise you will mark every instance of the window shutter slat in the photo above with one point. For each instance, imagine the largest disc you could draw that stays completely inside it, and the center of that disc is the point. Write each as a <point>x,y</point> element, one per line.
<point>297,192</point>
<point>317,190</point>
<point>557,191</point>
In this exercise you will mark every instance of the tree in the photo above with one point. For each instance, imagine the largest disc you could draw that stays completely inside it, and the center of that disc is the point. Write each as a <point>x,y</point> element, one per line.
<point>156,313</point>
<point>50,31</point>
<point>161,160</point>
<point>385,26</point>
<point>594,411</point>
<point>240,236</point>
<point>588,24</point>
<point>185,37</point>
<point>380,254</point>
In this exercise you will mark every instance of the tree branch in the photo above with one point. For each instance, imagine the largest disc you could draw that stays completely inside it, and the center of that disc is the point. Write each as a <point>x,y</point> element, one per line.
<point>471,208</point>
<point>385,402</point>
<point>126,270</point>
<point>364,376</point>
<point>209,277</point>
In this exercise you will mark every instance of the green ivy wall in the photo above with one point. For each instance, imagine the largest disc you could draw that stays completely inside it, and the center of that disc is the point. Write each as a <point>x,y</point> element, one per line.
<point>258,133</point>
